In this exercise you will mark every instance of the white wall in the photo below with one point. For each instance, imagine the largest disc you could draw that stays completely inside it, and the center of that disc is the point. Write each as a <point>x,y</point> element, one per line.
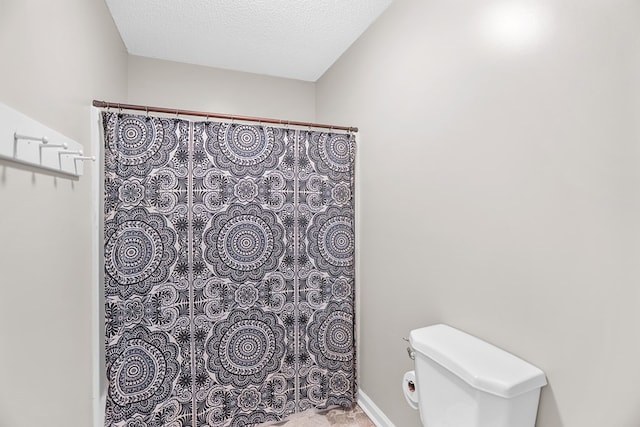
<point>193,87</point>
<point>499,194</point>
<point>56,57</point>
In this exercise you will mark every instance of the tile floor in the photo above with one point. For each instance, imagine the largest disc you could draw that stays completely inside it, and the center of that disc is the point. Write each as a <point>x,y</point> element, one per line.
<point>328,418</point>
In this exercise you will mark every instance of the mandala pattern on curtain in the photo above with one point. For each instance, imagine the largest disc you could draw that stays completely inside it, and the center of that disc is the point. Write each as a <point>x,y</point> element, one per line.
<point>229,272</point>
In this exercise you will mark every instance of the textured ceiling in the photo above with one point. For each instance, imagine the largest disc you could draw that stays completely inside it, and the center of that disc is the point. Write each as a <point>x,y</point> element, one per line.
<point>298,39</point>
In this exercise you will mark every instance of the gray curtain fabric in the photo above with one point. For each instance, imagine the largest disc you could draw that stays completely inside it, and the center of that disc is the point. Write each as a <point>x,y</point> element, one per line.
<point>229,272</point>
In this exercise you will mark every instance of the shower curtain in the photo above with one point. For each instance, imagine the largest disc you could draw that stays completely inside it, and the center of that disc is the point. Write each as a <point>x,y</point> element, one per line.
<point>229,271</point>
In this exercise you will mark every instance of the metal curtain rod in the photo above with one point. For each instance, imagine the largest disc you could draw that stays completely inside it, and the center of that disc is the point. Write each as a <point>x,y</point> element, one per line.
<point>103,104</point>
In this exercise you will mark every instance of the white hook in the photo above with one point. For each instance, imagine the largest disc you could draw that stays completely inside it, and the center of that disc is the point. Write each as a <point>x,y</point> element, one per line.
<point>64,146</point>
<point>45,145</point>
<point>67,153</point>
<point>92,158</point>
<point>17,137</point>
<point>70,153</point>
<point>82,158</point>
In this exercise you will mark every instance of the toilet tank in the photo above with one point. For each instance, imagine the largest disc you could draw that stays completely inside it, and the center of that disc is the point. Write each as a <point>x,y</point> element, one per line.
<point>463,381</point>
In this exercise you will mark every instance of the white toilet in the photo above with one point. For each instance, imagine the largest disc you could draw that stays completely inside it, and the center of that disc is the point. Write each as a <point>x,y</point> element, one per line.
<point>462,381</point>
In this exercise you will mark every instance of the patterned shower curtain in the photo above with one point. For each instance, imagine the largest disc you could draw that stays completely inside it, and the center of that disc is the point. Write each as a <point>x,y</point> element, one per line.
<point>229,272</point>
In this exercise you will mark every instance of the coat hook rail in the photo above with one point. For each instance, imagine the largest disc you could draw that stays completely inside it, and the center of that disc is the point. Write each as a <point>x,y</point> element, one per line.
<point>23,142</point>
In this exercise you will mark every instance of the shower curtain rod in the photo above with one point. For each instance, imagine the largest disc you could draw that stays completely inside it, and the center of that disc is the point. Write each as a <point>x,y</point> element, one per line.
<point>104,104</point>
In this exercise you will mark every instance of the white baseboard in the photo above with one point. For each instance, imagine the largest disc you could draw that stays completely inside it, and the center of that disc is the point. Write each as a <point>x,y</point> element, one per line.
<point>377,416</point>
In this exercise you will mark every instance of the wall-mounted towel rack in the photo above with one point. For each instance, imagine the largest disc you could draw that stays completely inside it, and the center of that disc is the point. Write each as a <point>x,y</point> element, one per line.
<point>25,141</point>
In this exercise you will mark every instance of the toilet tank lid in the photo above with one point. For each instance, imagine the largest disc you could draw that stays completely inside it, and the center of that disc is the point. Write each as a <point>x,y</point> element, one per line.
<point>480,364</point>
